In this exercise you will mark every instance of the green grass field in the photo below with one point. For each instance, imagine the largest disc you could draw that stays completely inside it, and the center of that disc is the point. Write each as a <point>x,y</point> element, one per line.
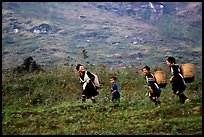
<point>50,103</point>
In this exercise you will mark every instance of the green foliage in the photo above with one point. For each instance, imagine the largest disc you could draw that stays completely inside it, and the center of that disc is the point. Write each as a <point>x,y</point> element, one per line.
<point>50,103</point>
<point>84,52</point>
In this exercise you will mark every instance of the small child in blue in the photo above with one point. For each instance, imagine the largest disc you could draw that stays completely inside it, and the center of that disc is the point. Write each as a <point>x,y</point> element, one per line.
<point>115,91</point>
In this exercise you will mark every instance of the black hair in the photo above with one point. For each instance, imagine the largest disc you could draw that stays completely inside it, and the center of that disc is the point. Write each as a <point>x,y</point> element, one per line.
<point>113,77</point>
<point>78,66</point>
<point>171,60</point>
<point>147,68</point>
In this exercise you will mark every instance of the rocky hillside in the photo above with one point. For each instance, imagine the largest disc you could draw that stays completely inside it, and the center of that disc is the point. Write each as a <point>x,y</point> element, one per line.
<point>116,34</point>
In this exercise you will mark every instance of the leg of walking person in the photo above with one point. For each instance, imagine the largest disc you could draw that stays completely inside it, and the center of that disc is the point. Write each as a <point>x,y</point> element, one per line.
<point>93,99</point>
<point>83,99</point>
<point>181,96</point>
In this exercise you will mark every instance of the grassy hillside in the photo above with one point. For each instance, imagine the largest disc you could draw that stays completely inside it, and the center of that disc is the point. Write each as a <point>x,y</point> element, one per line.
<point>112,38</point>
<point>50,103</point>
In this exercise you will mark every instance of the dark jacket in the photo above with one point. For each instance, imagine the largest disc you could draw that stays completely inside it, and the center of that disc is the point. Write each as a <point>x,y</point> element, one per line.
<point>178,83</point>
<point>90,89</point>
<point>151,82</point>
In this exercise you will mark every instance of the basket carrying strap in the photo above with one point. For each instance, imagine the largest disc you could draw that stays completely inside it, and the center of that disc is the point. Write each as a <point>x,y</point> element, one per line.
<point>96,81</point>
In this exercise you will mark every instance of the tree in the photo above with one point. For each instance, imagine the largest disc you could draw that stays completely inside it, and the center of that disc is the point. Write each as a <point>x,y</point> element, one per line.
<point>85,54</point>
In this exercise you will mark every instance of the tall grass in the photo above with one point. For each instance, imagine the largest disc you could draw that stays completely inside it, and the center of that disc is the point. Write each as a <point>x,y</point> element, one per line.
<point>50,103</point>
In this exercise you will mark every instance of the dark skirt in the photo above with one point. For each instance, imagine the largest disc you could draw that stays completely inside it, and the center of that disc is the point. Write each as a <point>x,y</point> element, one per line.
<point>90,90</point>
<point>156,93</point>
<point>178,84</point>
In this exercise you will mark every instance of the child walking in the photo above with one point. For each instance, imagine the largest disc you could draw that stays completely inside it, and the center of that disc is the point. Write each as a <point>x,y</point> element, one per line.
<point>176,79</point>
<point>115,91</point>
<point>153,89</point>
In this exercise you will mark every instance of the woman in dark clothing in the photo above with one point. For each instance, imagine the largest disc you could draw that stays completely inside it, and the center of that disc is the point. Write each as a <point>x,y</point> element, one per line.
<point>86,80</point>
<point>178,83</point>
<point>153,89</point>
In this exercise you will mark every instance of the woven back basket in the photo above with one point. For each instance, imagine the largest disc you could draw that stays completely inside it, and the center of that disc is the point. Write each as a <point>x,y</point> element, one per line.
<point>188,72</point>
<point>160,78</point>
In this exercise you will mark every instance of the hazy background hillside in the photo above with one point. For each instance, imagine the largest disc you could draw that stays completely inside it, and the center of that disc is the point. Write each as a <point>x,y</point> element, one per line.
<point>115,34</point>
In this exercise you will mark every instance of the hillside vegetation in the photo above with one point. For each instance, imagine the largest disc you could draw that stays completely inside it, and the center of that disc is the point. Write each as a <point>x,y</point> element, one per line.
<point>50,103</point>
<point>109,38</point>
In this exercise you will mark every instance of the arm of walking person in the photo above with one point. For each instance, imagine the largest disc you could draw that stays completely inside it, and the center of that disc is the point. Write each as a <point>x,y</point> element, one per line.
<point>150,89</point>
<point>171,78</point>
<point>113,91</point>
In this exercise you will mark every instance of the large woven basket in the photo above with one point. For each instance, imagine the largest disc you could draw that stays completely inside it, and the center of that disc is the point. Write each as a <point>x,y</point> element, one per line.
<point>188,72</point>
<point>160,78</point>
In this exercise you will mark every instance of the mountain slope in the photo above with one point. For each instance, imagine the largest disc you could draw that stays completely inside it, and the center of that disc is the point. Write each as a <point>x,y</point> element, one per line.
<point>114,34</point>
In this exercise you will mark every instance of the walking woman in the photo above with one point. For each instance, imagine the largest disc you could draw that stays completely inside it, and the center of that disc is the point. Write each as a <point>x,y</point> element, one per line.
<point>86,80</point>
<point>176,79</point>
